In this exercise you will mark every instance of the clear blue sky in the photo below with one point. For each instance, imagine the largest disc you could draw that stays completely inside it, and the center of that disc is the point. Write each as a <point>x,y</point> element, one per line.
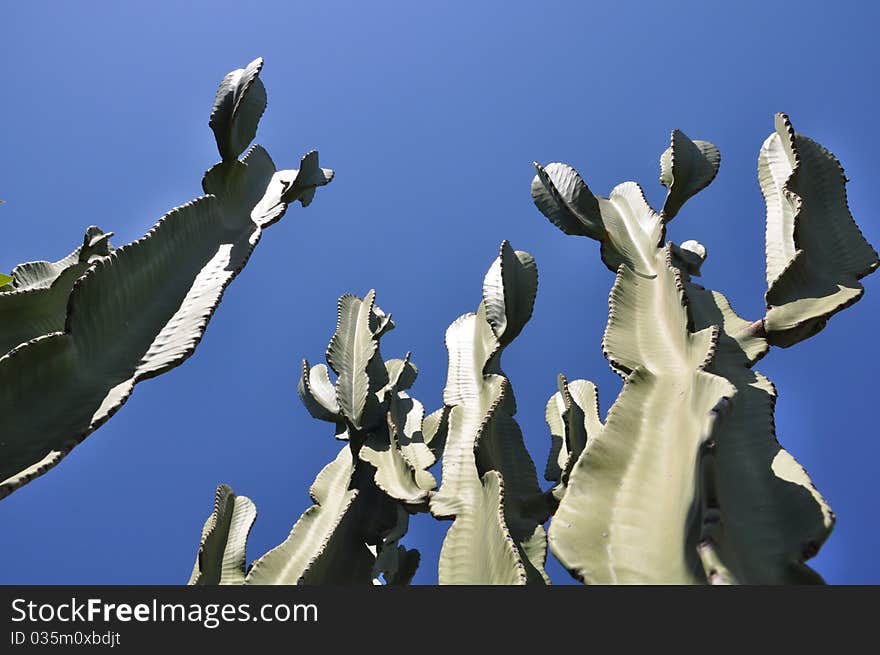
<point>431,113</point>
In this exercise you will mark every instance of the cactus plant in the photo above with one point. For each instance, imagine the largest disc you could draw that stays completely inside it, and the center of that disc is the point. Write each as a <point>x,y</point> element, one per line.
<point>686,482</point>
<point>77,335</point>
<point>364,497</point>
<point>489,483</point>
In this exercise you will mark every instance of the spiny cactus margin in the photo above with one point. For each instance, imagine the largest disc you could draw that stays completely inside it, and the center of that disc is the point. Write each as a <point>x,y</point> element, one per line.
<point>351,535</point>
<point>737,507</point>
<point>489,483</point>
<point>77,335</point>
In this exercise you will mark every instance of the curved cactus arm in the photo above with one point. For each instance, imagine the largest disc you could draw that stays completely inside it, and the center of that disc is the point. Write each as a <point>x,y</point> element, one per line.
<point>489,484</point>
<point>686,168</point>
<point>773,517</point>
<point>318,393</point>
<point>221,557</point>
<point>629,512</point>
<point>240,102</point>
<point>37,302</point>
<point>630,230</point>
<point>573,416</point>
<point>562,196</point>
<point>323,546</point>
<point>816,254</point>
<point>135,313</point>
<point>509,291</point>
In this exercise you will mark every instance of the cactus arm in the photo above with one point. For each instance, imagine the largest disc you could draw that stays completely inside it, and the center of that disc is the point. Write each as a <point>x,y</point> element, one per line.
<point>630,230</point>
<point>134,313</point>
<point>320,547</point>
<point>509,291</point>
<point>318,394</point>
<point>643,464</point>
<point>37,303</point>
<point>489,484</point>
<point>350,351</point>
<point>238,106</point>
<point>773,516</point>
<point>816,254</point>
<point>686,168</point>
<point>221,557</point>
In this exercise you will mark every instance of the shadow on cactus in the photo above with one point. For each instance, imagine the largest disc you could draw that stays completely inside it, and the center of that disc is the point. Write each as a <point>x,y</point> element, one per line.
<point>685,482</point>
<point>78,334</point>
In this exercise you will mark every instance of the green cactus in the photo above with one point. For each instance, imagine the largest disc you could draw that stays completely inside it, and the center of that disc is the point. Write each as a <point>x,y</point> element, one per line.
<point>686,482</point>
<point>364,497</point>
<point>489,484</point>
<point>77,335</point>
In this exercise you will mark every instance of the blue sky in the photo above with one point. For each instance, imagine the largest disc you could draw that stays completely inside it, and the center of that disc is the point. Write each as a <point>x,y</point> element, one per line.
<point>431,113</point>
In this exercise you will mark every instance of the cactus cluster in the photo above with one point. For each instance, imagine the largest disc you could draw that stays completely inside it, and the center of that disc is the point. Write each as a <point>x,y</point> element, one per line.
<point>684,482</point>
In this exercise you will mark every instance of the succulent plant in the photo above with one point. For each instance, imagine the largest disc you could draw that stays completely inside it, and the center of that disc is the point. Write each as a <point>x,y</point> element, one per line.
<point>364,497</point>
<point>685,482</point>
<point>78,334</point>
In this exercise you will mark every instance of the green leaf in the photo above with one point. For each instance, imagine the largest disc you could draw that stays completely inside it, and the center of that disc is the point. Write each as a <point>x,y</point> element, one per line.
<point>6,279</point>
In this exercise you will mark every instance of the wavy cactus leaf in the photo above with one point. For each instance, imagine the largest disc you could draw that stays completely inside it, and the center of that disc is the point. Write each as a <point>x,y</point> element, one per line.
<point>322,546</point>
<point>573,416</point>
<point>37,303</point>
<point>238,107</point>
<point>221,557</point>
<point>643,463</point>
<point>686,168</point>
<point>816,254</point>
<point>134,313</point>
<point>509,291</point>
<point>489,483</point>
<point>773,517</point>
<point>318,393</point>
<point>350,351</point>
